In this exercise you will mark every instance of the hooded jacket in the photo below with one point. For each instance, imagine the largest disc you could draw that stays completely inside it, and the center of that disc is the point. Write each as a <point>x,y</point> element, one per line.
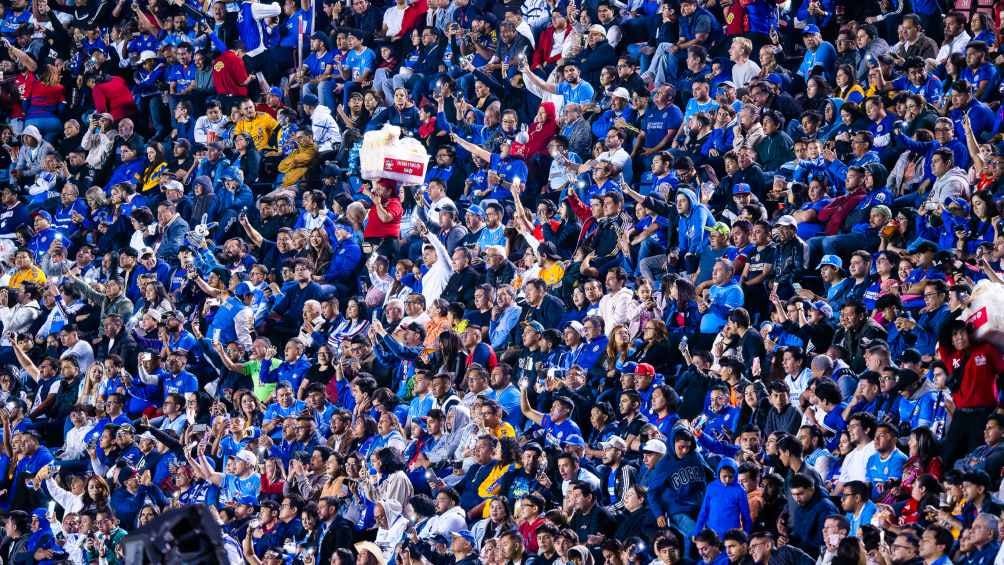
<point>676,485</point>
<point>725,506</point>
<point>807,523</point>
<point>325,129</point>
<point>693,237</point>
<point>388,538</point>
<point>955,182</point>
<point>29,159</point>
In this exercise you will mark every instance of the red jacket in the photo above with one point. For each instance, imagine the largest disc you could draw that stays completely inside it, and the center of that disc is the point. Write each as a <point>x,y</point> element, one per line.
<point>544,45</point>
<point>833,214</point>
<point>979,377</point>
<point>413,15</point>
<point>114,97</point>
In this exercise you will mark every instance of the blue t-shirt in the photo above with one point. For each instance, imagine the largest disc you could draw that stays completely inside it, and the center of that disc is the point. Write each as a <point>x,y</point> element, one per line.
<point>657,122</point>
<point>359,63</point>
<point>581,93</point>
<point>880,470</point>
<point>234,487</point>
<point>181,76</point>
<point>316,65</point>
<point>557,433</point>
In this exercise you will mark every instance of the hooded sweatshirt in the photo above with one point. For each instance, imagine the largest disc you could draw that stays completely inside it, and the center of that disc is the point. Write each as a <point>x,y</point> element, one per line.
<point>725,506</point>
<point>325,129</point>
<point>692,235</point>
<point>29,159</point>
<point>677,485</point>
<point>955,182</point>
<point>388,538</point>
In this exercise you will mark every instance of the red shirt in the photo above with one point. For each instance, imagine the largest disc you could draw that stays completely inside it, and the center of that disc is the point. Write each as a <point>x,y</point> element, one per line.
<point>115,98</point>
<point>979,378</point>
<point>375,227</point>
<point>229,75</point>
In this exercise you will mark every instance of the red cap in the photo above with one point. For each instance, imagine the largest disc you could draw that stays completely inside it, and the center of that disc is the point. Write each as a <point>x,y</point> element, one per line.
<point>645,369</point>
<point>388,184</point>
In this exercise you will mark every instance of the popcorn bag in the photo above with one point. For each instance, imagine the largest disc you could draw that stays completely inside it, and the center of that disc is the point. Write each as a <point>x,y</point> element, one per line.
<point>985,313</point>
<point>386,155</point>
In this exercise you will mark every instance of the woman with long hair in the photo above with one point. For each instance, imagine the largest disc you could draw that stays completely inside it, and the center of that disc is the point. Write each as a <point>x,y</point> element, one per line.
<point>273,480</point>
<point>355,323</point>
<point>319,251</point>
<point>618,349</point>
<point>663,406</point>
<point>497,521</point>
<point>153,169</point>
<point>390,482</point>
<point>438,322</point>
<point>43,95</point>
<point>653,346</point>
<point>847,87</point>
<point>924,460</point>
<point>248,406</point>
<point>248,159</point>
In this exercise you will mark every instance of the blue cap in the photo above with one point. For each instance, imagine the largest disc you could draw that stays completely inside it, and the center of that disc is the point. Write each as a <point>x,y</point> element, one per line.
<point>831,260</point>
<point>466,534</point>
<point>476,210</point>
<point>921,246</point>
<point>629,367</point>
<point>775,79</point>
<point>308,100</point>
<point>741,188</point>
<point>43,214</point>
<point>248,500</point>
<point>535,326</point>
<point>957,201</point>
<point>275,91</point>
<point>574,439</point>
<point>811,28</point>
<point>243,289</point>
<point>231,173</point>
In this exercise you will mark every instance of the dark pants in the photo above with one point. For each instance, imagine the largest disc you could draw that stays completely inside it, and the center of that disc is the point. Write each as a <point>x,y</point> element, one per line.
<point>965,433</point>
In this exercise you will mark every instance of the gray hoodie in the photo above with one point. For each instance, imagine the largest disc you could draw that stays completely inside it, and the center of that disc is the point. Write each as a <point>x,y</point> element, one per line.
<point>29,159</point>
<point>955,182</point>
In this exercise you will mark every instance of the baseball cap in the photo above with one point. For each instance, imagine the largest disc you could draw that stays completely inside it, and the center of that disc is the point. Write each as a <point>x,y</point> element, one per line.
<point>174,185</point>
<point>248,500</point>
<point>243,289</point>
<point>810,29</point>
<point>823,308</point>
<point>476,210</point>
<point>43,214</point>
<point>621,92</point>
<point>787,220</point>
<point>308,100</point>
<point>645,369</point>
<point>466,535</point>
<point>247,457</point>
<point>126,429</point>
<point>578,327</point>
<point>654,446</point>
<point>831,260</point>
<point>727,83</point>
<point>275,91</point>
<point>146,56</point>
<point>910,355</point>
<point>145,251</point>
<point>741,188</point>
<point>535,326</point>
<point>720,228</point>
<point>597,28</point>
<point>615,442</point>
<point>574,440</point>
<point>922,246</point>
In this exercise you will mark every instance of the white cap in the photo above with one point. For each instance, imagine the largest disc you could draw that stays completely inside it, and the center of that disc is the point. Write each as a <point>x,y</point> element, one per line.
<point>787,220</point>
<point>250,458</point>
<point>597,28</point>
<point>654,446</point>
<point>621,92</point>
<point>174,185</point>
<point>615,442</point>
<point>146,56</point>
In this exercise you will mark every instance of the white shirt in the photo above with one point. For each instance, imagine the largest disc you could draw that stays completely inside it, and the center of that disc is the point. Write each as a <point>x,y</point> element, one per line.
<point>83,353</point>
<point>393,18</point>
<point>435,279</point>
<point>855,467</point>
<point>619,157</point>
<point>453,520</point>
<point>958,45</point>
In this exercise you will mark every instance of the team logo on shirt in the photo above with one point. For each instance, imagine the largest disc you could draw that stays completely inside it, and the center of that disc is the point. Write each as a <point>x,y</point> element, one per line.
<point>980,360</point>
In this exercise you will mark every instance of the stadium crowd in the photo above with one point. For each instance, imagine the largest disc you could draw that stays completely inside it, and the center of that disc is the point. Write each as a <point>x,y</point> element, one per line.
<point>686,282</point>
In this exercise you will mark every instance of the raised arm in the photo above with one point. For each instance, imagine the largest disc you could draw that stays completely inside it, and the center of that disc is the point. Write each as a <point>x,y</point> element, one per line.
<point>476,150</point>
<point>527,410</point>
<point>26,363</point>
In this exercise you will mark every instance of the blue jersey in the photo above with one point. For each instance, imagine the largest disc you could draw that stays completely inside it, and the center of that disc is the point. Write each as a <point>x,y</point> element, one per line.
<point>249,26</point>
<point>181,76</point>
<point>359,64</point>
